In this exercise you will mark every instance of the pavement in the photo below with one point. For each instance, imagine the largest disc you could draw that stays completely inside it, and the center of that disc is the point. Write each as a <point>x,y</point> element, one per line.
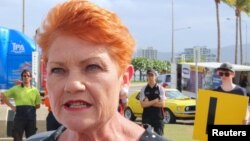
<point>6,121</point>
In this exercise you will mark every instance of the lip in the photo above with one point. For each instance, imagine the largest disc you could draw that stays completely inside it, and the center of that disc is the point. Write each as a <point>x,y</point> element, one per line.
<point>76,105</point>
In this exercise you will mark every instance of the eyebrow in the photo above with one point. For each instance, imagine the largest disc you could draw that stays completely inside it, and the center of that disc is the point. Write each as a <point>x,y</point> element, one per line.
<point>81,62</point>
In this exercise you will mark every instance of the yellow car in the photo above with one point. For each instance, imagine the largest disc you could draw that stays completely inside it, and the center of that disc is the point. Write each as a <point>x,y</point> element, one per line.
<point>177,106</point>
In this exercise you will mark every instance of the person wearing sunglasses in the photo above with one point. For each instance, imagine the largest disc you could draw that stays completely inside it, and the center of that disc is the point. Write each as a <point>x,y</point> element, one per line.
<point>27,100</point>
<point>226,73</point>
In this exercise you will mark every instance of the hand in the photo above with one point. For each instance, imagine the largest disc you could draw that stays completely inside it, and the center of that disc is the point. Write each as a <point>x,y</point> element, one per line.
<point>156,100</point>
<point>245,122</point>
<point>13,108</point>
<point>1,98</point>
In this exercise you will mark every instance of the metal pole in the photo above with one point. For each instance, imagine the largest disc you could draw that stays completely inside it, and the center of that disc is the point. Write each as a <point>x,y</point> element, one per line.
<point>172,57</point>
<point>246,42</point>
<point>23,18</point>
<point>196,54</point>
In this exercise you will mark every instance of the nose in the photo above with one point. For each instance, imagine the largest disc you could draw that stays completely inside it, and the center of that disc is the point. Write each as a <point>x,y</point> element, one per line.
<point>74,85</point>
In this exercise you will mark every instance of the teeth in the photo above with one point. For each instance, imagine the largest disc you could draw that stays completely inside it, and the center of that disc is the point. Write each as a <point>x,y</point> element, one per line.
<point>78,105</point>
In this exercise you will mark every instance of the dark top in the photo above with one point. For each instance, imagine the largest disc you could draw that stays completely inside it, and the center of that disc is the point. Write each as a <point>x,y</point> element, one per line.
<point>152,112</point>
<point>243,83</point>
<point>148,135</point>
<point>237,90</point>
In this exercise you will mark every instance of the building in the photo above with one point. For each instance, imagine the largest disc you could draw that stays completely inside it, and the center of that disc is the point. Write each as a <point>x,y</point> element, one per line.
<point>149,53</point>
<point>205,54</point>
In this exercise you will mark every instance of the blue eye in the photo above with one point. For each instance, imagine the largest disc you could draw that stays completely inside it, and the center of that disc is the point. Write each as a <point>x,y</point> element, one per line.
<point>93,68</point>
<point>57,70</point>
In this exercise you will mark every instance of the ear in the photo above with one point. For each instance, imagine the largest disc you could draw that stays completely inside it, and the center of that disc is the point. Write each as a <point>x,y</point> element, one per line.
<point>233,74</point>
<point>128,74</point>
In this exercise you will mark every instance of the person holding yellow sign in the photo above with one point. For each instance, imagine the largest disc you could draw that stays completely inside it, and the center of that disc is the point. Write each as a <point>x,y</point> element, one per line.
<point>227,73</point>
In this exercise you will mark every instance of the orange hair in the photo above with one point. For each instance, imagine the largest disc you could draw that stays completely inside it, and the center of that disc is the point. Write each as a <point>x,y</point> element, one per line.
<point>91,23</point>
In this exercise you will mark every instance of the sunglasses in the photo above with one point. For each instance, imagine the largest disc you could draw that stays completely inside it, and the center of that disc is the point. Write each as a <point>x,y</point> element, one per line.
<point>226,74</point>
<point>26,75</point>
<point>150,75</point>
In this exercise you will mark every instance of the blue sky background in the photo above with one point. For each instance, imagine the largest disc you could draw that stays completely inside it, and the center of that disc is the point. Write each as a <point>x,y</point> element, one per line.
<point>148,20</point>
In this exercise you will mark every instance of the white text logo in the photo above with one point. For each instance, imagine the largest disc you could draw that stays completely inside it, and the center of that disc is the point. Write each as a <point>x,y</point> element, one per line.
<point>17,48</point>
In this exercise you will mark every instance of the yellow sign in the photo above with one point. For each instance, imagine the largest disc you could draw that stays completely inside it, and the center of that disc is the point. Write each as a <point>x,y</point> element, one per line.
<point>214,107</point>
<point>193,68</point>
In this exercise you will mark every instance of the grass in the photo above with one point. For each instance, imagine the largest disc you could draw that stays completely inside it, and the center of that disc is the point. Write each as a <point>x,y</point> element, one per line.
<point>182,130</point>
<point>179,132</point>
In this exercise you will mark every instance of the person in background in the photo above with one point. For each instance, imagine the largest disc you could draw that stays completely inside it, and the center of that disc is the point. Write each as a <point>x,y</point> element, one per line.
<point>27,100</point>
<point>152,98</point>
<point>243,81</point>
<point>123,97</point>
<point>226,73</point>
<point>88,53</point>
<point>51,122</point>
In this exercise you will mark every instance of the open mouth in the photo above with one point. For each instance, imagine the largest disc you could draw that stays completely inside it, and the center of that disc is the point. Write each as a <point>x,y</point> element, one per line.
<point>77,104</point>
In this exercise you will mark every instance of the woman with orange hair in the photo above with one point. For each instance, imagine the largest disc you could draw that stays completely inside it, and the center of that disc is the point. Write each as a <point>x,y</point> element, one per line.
<point>88,52</point>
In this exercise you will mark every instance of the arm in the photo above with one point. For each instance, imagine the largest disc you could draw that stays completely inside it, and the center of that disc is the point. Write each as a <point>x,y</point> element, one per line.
<point>162,98</point>
<point>246,119</point>
<point>37,106</point>
<point>1,98</point>
<point>38,100</point>
<point>7,102</point>
<point>159,103</point>
<point>144,100</point>
<point>146,103</point>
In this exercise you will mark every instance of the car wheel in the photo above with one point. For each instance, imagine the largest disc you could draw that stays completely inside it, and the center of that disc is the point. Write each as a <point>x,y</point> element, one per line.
<point>129,114</point>
<point>169,117</point>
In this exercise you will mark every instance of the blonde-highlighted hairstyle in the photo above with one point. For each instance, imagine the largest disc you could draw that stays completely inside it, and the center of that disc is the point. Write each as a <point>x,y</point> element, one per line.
<point>87,21</point>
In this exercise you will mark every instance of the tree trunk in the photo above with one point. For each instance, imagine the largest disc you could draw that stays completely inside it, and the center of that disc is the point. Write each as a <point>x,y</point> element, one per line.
<point>236,37</point>
<point>240,32</point>
<point>140,75</point>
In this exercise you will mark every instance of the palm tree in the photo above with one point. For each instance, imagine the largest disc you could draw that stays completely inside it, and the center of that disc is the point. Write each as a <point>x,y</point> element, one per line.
<point>239,5</point>
<point>217,2</point>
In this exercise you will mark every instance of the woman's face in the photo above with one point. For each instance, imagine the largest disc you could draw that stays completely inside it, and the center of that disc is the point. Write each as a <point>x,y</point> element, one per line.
<point>83,83</point>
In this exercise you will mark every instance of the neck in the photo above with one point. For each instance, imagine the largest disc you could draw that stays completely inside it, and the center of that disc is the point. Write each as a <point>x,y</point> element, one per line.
<point>118,126</point>
<point>151,84</point>
<point>228,86</point>
<point>27,85</point>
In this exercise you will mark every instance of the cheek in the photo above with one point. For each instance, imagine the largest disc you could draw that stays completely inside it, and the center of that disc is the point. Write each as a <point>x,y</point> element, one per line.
<point>54,90</point>
<point>106,95</point>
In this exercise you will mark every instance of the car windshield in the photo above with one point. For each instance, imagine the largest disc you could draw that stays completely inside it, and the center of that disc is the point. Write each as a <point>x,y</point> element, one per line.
<point>172,94</point>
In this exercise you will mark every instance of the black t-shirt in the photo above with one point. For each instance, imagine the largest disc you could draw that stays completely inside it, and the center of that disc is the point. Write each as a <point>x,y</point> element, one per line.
<point>237,90</point>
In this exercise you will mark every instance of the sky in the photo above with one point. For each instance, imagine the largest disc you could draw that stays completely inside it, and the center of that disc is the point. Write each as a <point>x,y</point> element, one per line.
<point>149,21</point>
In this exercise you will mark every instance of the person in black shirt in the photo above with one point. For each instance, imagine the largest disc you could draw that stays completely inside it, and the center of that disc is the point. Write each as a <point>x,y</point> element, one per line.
<point>227,73</point>
<point>152,99</point>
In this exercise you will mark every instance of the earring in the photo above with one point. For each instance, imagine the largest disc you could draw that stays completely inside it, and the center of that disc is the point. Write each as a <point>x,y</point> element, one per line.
<point>124,90</point>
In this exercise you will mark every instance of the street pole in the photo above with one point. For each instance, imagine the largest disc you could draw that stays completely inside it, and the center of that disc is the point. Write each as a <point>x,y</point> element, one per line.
<point>246,42</point>
<point>197,59</point>
<point>23,17</point>
<point>173,52</point>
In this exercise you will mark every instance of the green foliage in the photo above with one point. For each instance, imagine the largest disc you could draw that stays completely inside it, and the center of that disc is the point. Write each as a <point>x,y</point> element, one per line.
<point>141,64</point>
<point>241,5</point>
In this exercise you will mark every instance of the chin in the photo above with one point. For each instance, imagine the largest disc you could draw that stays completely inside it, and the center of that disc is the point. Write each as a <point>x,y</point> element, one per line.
<point>80,125</point>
